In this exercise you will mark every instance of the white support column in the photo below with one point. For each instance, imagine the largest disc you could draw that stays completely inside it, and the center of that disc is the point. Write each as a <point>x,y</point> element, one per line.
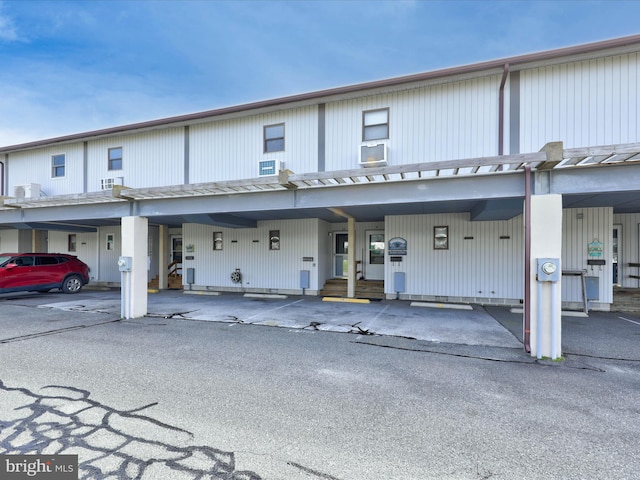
<point>135,236</point>
<point>351,258</point>
<point>163,257</point>
<point>546,305</point>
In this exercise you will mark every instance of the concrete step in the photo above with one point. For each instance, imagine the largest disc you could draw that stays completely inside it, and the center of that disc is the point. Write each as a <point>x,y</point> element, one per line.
<point>337,287</point>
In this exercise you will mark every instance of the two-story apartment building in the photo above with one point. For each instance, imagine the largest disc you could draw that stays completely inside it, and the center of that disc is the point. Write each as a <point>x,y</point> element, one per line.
<point>418,181</point>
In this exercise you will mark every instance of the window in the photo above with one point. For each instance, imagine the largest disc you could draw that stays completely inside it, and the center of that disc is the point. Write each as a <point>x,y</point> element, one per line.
<point>115,158</point>
<point>71,242</point>
<point>274,239</point>
<point>57,165</point>
<point>441,238</point>
<point>217,240</point>
<point>274,138</point>
<point>110,240</point>
<point>46,260</point>
<point>375,124</point>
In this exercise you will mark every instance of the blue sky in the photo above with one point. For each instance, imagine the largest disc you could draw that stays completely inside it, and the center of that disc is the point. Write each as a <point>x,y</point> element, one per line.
<point>73,66</point>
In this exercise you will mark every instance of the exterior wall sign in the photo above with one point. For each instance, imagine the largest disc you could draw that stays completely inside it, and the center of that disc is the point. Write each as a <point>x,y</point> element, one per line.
<point>397,246</point>
<point>595,249</point>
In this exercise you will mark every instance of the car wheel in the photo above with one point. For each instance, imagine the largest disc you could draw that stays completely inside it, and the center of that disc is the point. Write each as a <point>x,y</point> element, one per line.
<point>72,284</point>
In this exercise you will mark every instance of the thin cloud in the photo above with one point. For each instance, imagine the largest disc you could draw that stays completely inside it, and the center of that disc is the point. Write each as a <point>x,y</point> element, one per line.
<point>88,65</point>
<point>8,31</point>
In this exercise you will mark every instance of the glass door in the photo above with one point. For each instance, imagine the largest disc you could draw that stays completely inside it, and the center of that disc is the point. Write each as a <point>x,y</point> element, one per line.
<point>340,252</point>
<point>374,264</point>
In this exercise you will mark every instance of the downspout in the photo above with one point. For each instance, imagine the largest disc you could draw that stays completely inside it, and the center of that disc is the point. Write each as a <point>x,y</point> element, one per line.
<point>505,74</point>
<point>527,259</point>
<point>2,179</point>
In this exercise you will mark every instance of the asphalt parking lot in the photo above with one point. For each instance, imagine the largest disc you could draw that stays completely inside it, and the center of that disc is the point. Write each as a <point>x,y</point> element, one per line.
<point>296,389</point>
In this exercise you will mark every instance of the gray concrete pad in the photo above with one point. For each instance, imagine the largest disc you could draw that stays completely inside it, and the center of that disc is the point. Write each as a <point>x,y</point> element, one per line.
<point>392,318</point>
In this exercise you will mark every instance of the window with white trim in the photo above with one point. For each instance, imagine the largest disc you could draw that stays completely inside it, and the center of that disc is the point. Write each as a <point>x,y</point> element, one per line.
<point>274,138</point>
<point>110,241</point>
<point>375,124</point>
<point>115,158</point>
<point>57,165</point>
<point>71,242</point>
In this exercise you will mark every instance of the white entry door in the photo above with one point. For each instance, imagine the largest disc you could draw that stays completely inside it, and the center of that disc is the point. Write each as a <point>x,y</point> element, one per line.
<point>374,263</point>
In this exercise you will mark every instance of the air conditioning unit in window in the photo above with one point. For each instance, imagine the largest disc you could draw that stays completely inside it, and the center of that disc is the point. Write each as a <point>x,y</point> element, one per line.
<point>108,183</point>
<point>269,167</point>
<point>373,155</point>
<point>28,190</point>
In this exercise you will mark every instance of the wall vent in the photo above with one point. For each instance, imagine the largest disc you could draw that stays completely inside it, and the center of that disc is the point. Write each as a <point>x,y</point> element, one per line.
<point>373,155</point>
<point>108,183</point>
<point>28,190</point>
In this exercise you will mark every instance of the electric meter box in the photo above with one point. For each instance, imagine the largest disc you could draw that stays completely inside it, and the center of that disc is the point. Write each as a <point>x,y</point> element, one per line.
<point>125,264</point>
<point>548,269</point>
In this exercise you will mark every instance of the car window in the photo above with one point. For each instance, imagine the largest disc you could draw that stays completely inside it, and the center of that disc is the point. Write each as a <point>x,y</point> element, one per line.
<point>47,260</point>
<point>22,261</point>
<point>62,259</point>
<point>4,259</point>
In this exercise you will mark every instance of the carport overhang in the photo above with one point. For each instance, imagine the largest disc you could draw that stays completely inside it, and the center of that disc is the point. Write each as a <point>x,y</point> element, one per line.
<point>488,188</point>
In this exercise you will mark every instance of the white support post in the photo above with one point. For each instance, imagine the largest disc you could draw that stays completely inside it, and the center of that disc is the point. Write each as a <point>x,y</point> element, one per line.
<point>163,257</point>
<point>135,236</point>
<point>546,305</point>
<point>351,258</point>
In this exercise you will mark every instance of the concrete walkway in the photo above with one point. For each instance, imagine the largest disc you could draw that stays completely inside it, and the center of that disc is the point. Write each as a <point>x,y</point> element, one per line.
<point>385,318</point>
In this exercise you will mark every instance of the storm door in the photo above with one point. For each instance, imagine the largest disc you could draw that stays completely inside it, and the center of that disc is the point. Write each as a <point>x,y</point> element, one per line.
<point>374,263</point>
<point>340,254</point>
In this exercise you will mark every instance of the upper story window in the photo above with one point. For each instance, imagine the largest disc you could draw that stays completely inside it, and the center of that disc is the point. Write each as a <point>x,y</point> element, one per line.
<point>375,124</point>
<point>57,165</point>
<point>274,138</point>
<point>115,158</point>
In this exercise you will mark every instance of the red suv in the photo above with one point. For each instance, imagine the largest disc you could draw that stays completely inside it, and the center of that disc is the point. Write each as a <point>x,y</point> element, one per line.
<point>42,272</point>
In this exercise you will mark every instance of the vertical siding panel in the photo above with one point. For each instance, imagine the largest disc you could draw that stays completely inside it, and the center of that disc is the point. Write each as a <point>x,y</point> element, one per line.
<point>596,223</point>
<point>34,166</point>
<point>248,250</point>
<point>484,267</point>
<point>231,149</point>
<point>591,102</point>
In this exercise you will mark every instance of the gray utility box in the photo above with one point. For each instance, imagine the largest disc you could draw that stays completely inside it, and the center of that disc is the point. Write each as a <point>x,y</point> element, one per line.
<point>398,282</point>
<point>592,286</point>
<point>304,279</point>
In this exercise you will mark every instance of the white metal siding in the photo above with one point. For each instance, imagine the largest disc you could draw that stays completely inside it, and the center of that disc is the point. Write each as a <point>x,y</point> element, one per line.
<point>109,272</point>
<point>484,266</point>
<point>34,166</point>
<point>247,249</point>
<point>85,248</point>
<point>9,241</point>
<point>440,122</point>
<point>231,149</point>
<point>577,233</point>
<point>593,102</point>
<point>149,159</point>
<point>628,248</point>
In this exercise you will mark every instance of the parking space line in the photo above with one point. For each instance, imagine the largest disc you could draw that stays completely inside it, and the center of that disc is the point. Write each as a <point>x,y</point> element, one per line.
<point>274,309</point>
<point>381,312</point>
<point>632,321</point>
